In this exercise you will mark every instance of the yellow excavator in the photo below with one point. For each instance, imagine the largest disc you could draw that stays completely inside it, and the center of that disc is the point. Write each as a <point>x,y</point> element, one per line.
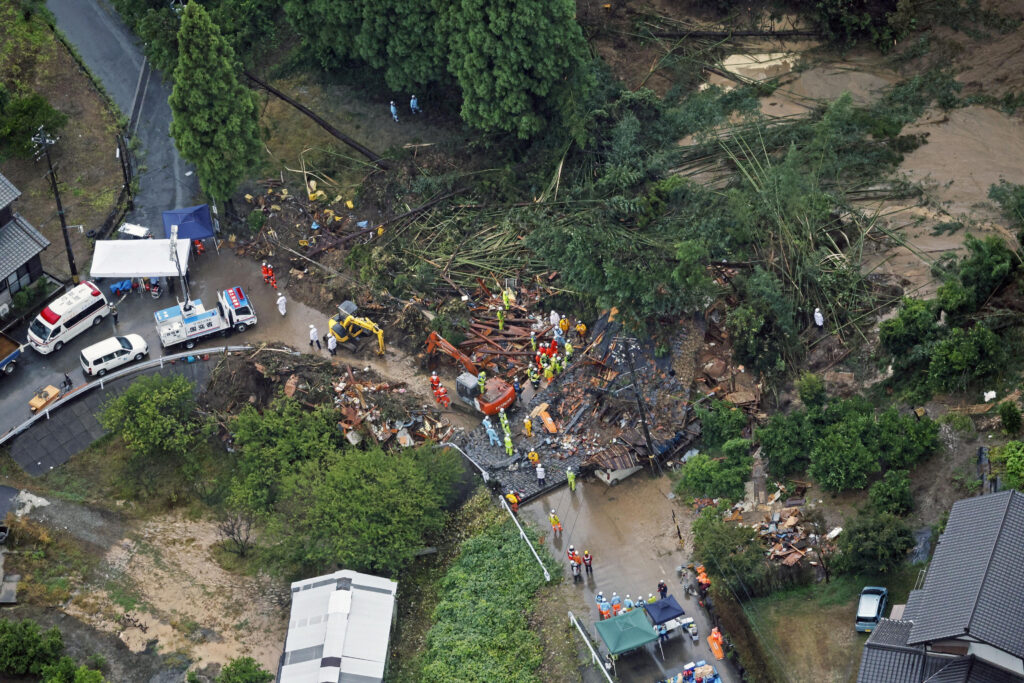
<point>346,326</point>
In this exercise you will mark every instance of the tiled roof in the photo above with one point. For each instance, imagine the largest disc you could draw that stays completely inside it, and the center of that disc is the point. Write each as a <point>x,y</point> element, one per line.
<point>19,242</point>
<point>8,192</point>
<point>975,583</point>
<point>891,632</point>
<point>972,670</point>
<point>913,605</point>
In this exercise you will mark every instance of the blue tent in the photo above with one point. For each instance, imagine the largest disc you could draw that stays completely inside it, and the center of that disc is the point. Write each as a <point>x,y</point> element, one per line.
<point>664,610</point>
<point>194,222</point>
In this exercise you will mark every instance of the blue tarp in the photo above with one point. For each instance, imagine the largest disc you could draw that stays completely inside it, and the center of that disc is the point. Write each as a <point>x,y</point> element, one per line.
<point>194,222</point>
<point>664,610</point>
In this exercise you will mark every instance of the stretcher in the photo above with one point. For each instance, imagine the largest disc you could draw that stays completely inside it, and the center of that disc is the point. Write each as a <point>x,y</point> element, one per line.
<point>716,647</point>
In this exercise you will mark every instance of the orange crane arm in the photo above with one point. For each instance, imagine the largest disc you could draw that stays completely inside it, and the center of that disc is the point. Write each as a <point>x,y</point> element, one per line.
<point>436,342</point>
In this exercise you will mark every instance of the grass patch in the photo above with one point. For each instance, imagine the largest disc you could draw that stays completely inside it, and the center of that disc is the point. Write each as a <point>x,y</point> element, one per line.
<point>819,619</point>
<point>51,563</point>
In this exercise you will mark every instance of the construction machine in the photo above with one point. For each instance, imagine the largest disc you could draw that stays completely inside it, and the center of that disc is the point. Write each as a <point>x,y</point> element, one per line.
<point>498,393</point>
<point>346,326</point>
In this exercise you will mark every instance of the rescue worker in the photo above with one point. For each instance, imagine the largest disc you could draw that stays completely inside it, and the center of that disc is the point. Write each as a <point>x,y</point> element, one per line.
<point>534,376</point>
<point>568,351</point>
<point>640,601</point>
<point>605,610</point>
<point>549,374</point>
<point>443,398</point>
<point>437,393</point>
<point>508,445</point>
<point>627,604</point>
<point>556,524</point>
<point>282,304</point>
<point>487,422</point>
<point>273,278</point>
<point>528,426</point>
<point>599,598</point>
<point>559,338</point>
<point>588,562</point>
<point>517,388</point>
<point>394,111</point>
<point>199,247</point>
<point>414,105</point>
<point>571,477</point>
<point>581,331</point>
<point>663,589</point>
<point>332,345</point>
<point>505,426</point>
<point>572,554</point>
<point>314,337</point>
<point>574,567</point>
<point>533,341</point>
<point>492,435</point>
<point>265,272</point>
<point>662,632</point>
<point>563,325</point>
<point>651,599</point>
<point>616,600</point>
<point>513,500</point>
<point>540,475</point>
<point>501,319</point>
<point>533,457</point>
<point>556,364</point>
<point>435,382</point>
<point>544,361</point>
<point>506,297</point>
<point>481,381</point>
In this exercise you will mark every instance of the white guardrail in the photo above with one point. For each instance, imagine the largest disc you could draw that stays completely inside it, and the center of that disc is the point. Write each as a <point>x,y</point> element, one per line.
<point>100,383</point>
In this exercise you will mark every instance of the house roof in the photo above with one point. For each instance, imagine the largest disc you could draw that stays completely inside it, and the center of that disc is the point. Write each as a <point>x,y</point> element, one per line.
<point>975,583</point>
<point>19,242</point>
<point>8,192</point>
<point>886,656</point>
<point>339,629</point>
<point>972,670</point>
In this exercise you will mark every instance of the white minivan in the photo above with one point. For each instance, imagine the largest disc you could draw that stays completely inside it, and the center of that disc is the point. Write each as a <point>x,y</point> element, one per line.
<point>112,353</point>
<point>68,317</point>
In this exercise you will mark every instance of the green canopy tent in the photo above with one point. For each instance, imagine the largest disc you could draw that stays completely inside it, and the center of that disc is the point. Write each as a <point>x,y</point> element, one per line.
<point>626,632</point>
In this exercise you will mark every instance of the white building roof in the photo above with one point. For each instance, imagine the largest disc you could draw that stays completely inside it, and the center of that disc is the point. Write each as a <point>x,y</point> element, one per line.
<point>339,629</point>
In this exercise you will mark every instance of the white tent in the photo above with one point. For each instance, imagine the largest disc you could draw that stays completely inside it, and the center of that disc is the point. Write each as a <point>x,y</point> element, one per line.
<point>137,258</point>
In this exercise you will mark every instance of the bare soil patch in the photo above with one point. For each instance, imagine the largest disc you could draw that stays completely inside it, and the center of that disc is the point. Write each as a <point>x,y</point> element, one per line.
<point>89,174</point>
<point>165,577</point>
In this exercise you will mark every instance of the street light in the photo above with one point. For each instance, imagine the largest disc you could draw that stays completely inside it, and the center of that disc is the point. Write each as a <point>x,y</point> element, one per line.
<point>43,142</point>
<point>624,348</point>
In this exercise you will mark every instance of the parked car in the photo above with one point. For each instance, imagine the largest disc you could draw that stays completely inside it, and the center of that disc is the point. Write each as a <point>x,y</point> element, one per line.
<point>871,607</point>
<point>112,353</point>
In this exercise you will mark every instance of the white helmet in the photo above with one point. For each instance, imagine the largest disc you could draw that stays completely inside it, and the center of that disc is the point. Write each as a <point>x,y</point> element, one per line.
<point>552,512</point>
<point>572,548</point>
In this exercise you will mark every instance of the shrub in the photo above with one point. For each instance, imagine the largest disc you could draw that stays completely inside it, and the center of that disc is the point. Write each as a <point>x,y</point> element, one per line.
<point>811,389</point>
<point>704,477</point>
<point>25,649</point>
<point>718,544</point>
<point>255,220</point>
<point>20,118</point>
<point>840,459</point>
<point>244,670</point>
<point>1009,415</point>
<point>1008,461</point>
<point>1010,198</point>
<point>786,442</point>
<point>892,493</point>
<point>719,423</point>
<point>873,543</point>
<point>964,357</point>
<point>903,337</point>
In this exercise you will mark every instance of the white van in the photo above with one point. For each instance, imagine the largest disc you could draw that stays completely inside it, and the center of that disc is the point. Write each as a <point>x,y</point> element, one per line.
<point>112,353</point>
<point>68,317</point>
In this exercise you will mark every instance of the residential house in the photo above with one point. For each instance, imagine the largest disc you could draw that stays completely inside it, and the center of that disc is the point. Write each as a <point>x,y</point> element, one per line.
<point>20,246</point>
<point>966,622</point>
<point>339,629</point>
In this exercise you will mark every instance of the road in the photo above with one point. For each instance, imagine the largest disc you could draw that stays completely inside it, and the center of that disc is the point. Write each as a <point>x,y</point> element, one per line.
<point>114,55</point>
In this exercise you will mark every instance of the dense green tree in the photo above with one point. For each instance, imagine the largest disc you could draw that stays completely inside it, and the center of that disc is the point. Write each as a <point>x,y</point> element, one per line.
<point>873,543</point>
<point>720,421</point>
<point>20,118</point>
<point>811,389</point>
<point>786,442</point>
<point>156,418</point>
<point>416,47</point>
<point>271,443</point>
<point>25,649</point>
<point>327,28</point>
<point>840,460</point>
<point>509,57</point>
<point>365,510</point>
<point>730,552</point>
<point>965,356</point>
<point>244,670</point>
<point>988,266</point>
<point>66,671</point>
<point>915,326</point>
<point>706,477</point>
<point>214,115</point>
<point>892,493</point>
<point>902,440</point>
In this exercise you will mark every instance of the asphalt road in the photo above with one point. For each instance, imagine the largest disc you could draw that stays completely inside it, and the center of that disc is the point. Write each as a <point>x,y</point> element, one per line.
<point>114,55</point>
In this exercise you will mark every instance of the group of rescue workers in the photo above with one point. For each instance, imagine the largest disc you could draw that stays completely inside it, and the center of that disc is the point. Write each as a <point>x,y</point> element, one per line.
<point>608,608</point>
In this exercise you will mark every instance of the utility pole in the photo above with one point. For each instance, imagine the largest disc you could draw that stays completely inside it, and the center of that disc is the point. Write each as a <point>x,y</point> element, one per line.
<point>43,142</point>
<point>628,343</point>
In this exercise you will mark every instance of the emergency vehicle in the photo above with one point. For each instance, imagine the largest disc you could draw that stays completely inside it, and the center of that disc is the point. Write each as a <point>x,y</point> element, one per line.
<point>186,324</point>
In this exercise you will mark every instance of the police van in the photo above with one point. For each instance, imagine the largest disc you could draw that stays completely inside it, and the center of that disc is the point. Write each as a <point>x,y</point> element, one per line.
<point>67,317</point>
